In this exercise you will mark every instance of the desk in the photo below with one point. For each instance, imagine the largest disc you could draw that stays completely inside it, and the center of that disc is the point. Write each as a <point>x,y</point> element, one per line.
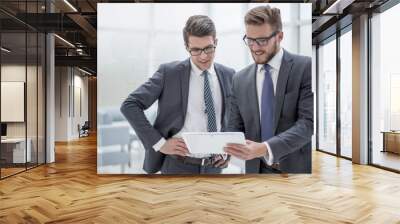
<point>391,141</point>
<point>13,150</point>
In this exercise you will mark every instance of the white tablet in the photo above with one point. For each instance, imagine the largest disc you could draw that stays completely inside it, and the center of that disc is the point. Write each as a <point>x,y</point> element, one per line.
<point>211,142</point>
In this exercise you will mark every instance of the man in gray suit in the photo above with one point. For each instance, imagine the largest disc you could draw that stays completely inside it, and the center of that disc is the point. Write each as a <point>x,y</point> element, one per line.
<point>272,101</point>
<point>192,97</point>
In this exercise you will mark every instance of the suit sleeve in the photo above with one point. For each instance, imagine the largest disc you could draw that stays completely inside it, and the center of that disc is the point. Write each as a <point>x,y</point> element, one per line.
<point>138,101</point>
<point>301,132</point>
<point>235,121</point>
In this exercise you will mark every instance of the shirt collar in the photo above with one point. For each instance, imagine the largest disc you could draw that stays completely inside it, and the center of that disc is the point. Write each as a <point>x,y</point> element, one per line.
<point>197,71</point>
<point>275,61</point>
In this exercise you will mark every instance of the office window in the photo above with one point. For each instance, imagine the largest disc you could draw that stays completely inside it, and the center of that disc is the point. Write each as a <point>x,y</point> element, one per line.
<point>385,89</point>
<point>346,94</point>
<point>327,97</point>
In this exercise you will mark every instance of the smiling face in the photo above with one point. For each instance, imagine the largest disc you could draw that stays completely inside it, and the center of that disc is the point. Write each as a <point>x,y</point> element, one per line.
<point>204,60</point>
<point>262,54</point>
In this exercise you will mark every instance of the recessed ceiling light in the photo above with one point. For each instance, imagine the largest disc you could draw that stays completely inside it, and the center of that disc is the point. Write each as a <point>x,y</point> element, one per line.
<point>84,71</point>
<point>338,6</point>
<point>70,5</point>
<point>5,50</point>
<point>64,40</point>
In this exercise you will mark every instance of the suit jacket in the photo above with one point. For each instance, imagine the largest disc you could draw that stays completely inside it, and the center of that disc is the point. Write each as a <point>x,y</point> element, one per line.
<point>293,116</point>
<point>170,86</point>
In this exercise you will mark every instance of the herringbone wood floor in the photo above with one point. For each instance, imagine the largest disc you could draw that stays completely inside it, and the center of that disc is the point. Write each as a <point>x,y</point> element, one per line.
<point>70,191</point>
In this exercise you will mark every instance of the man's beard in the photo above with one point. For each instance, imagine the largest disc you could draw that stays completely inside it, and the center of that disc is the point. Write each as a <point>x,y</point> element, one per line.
<point>268,57</point>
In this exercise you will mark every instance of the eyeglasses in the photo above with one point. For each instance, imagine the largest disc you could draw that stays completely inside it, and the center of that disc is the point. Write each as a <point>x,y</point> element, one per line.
<point>261,41</point>
<point>206,50</point>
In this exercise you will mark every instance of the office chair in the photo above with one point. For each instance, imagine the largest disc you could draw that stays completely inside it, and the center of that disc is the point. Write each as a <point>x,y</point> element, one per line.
<point>84,130</point>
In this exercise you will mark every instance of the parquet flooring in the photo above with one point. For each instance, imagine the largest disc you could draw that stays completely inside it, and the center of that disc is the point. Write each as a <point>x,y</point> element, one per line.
<point>70,191</point>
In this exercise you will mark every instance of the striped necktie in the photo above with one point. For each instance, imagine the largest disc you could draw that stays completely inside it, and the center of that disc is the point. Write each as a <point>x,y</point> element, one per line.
<point>209,103</point>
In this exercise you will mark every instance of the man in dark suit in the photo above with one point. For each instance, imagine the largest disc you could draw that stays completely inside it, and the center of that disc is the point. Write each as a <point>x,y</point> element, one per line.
<point>192,97</point>
<point>272,101</point>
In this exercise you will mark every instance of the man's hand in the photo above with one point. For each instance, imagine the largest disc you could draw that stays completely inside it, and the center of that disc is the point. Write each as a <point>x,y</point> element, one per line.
<point>220,162</point>
<point>246,152</point>
<point>175,146</point>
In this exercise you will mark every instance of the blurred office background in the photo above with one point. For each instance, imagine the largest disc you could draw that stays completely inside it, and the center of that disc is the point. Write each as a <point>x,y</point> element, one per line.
<point>134,39</point>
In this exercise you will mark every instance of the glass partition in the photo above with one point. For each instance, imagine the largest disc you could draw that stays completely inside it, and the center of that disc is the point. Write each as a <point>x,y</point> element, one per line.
<point>22,77</point>
<point>327,97</point>
<point>346,94</point>
<point>13,105</point>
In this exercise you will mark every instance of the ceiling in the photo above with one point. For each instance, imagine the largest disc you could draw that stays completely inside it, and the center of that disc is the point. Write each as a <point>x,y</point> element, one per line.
<point>329,16</point>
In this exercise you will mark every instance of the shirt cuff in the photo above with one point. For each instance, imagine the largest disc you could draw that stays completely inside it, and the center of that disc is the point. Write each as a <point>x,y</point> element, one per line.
<point>269,158</point>
<point>159,144</point>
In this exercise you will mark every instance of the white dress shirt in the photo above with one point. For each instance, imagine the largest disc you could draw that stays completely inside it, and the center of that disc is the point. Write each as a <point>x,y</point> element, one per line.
<point>275,64</point>
<point>196,118</point>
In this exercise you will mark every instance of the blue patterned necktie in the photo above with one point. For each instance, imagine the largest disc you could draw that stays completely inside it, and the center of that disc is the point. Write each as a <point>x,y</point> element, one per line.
<point>267,105</point>
<point>209,103</point>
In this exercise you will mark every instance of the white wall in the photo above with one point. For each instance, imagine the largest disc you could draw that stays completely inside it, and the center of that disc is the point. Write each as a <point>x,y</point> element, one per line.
<point>33,125</point>
<point>14,73</point>
<point>12,100</point>
<point>70,83</point>
<point>17,73</point>
<point>79,117</point>
<point>61,103</point>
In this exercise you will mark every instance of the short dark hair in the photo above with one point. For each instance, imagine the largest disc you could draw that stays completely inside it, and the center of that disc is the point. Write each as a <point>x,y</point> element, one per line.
<point>264,14</point>
<point>199,26</point>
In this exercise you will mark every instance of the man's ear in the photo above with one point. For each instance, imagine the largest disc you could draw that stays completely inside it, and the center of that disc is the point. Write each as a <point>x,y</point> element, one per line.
<point>280,36</point>
<point>216,42</point>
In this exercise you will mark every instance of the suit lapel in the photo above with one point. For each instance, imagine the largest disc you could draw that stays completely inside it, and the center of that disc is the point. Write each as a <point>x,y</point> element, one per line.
<point>185,78</point>
<point>283,76</point>
<point>221,80</point>
<point>253,100</point>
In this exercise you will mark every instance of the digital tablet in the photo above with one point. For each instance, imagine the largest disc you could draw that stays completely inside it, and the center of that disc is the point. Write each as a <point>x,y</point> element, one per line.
<point>211,142</point>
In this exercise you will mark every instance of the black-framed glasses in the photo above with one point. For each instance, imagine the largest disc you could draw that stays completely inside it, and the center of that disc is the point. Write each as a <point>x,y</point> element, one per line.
<point>261,41</point>
<point>206,50</point>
